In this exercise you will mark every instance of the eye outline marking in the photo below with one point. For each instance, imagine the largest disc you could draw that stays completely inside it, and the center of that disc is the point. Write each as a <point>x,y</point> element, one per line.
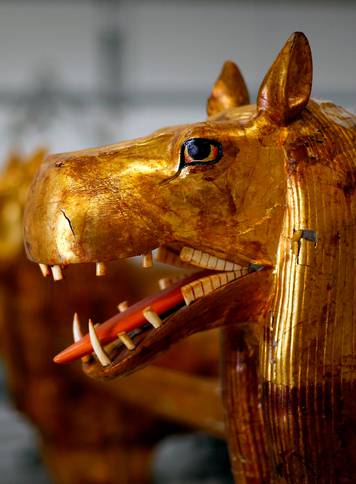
<point>183,164</point>
<point>182,160</point>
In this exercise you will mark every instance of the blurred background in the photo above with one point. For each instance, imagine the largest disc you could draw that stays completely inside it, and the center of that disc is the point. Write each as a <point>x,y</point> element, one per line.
<point>80,73</point>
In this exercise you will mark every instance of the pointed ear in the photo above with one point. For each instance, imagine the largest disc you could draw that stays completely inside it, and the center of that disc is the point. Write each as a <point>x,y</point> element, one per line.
<point>286,88</point>
<point>229,90</point>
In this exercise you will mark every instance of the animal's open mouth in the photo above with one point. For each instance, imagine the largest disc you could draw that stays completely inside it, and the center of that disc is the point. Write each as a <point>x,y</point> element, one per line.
<point>137,333</point>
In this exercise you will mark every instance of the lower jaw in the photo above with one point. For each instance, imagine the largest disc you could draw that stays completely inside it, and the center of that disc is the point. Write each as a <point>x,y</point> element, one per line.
<point>242,300</point>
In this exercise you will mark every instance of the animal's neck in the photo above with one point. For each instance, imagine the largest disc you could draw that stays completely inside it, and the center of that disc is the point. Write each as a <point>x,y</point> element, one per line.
<point>289,392</point>
<point>309,337</point>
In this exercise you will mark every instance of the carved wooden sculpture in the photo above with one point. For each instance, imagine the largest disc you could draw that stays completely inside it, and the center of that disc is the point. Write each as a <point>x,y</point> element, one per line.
<point>263,199</point>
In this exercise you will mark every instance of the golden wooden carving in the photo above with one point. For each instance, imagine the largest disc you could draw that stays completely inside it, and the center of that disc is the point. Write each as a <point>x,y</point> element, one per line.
<point>266,188</point>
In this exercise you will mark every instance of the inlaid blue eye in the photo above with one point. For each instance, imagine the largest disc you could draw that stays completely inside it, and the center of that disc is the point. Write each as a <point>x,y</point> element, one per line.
<point>199,151</point>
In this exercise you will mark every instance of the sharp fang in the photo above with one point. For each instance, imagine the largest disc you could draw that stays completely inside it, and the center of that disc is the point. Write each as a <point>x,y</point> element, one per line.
<point>101,269</point>
<point>98,350</point>
<point>206,261</point>
<point>77,333</point>
<point>152,317</point>
<point>147,260</point>
<point>122,306</point>
<point>45,270</point>
<point>127,341</point>
<point>204,286</point>
<point>57,273</point>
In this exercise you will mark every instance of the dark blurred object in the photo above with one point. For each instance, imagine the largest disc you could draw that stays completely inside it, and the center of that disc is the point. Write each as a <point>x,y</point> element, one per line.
<point>85,435</point>
<point>192,459</point>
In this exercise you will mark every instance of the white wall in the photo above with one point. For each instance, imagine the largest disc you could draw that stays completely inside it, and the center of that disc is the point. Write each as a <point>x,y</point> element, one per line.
<point>169,48</point>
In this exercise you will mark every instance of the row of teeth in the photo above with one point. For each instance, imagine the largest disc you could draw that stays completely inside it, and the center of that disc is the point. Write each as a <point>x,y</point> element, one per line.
<point>126,339</point>
<point>190,292</point>
<point>204,286</point>
<point>201,259</point>
<point>188,257</point>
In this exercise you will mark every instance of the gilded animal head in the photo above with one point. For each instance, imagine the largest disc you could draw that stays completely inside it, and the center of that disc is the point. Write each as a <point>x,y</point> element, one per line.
<point>214,192</point>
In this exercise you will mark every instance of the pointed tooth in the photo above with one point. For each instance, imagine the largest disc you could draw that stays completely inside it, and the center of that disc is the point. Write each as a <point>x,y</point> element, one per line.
<point>164,282</point>
<point>147,260</point>
<point>127,341</point>
<point>77,333</point>
<point>98,350</point>
<point>152,317</point>
<point>122,306</point>
<point>101,269</point>
<point>45,270</point>
<point>57,273</point>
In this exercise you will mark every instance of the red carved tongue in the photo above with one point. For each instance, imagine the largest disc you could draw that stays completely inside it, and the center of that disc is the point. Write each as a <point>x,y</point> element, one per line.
<point>129,320</point>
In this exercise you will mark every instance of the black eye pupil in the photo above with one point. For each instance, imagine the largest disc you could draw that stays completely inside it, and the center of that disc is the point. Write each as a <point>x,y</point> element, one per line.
<point>198,149</point>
